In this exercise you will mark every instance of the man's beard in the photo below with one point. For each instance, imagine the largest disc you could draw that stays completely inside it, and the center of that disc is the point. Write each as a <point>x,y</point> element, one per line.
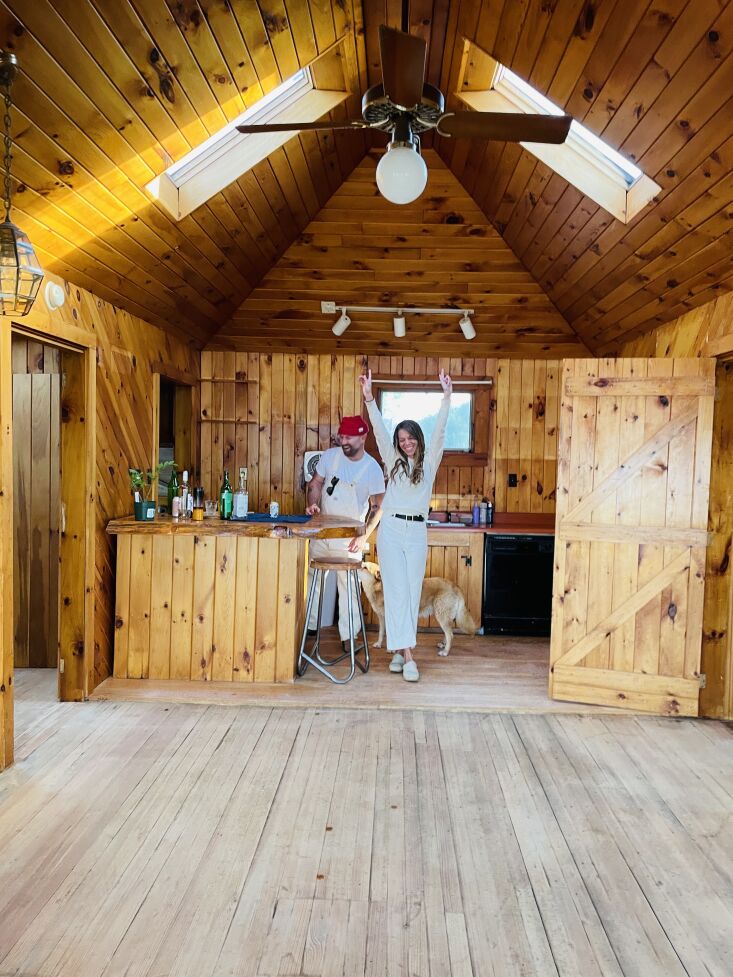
<point>347,449</point>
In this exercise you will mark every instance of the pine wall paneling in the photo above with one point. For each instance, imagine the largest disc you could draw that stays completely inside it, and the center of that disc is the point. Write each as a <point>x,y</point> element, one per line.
<point>36,468</point>
<point>128,351</point>
<point>265,410</point>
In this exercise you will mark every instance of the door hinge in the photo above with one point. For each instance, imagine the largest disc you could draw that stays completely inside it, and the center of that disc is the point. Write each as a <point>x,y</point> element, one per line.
<point>702,680</point>
<point>468,560</point>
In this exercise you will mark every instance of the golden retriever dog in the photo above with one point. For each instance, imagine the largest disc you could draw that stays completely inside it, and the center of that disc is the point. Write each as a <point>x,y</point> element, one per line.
<point>438,597</point>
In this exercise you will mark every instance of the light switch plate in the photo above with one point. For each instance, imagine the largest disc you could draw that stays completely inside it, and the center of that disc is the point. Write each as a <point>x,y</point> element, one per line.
<point>328,308</point>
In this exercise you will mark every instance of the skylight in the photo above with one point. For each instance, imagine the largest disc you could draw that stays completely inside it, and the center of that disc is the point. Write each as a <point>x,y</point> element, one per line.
<point>226,155</point>
<point>516,88</point>
<point>584,160</point>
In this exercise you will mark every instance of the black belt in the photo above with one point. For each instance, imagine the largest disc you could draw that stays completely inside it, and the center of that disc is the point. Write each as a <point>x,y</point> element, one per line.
<point>399,515</point>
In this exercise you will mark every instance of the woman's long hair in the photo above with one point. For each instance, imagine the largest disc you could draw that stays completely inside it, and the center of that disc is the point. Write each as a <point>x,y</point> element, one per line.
<point>402,465</point>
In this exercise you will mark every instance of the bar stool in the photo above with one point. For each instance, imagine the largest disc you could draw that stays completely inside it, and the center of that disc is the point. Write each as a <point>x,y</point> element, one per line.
<point>313,656</point>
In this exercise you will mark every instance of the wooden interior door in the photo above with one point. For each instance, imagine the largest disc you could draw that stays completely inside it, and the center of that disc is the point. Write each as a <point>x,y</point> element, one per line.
<point>631,532</point>
<point>36,467</point>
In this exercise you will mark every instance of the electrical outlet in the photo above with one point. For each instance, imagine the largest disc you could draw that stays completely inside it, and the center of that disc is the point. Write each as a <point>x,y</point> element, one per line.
<point>512,481</point>
<point>328,308</point>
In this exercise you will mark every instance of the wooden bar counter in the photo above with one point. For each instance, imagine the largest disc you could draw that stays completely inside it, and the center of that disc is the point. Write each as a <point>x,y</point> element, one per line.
<point>213,600</point>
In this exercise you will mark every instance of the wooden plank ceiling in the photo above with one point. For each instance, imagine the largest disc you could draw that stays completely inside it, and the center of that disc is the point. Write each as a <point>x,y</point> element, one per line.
<point>439,251</point>
<point>111,91</point>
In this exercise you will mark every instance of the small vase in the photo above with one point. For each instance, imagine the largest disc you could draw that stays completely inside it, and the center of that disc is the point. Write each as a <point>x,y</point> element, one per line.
<point>144,511</point>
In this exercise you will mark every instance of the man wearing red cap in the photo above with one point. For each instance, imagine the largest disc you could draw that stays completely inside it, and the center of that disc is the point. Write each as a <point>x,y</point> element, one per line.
<point>348,482</point>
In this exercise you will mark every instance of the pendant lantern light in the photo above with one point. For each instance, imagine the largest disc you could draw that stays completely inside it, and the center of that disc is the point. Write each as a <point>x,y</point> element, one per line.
<point>20,271</point>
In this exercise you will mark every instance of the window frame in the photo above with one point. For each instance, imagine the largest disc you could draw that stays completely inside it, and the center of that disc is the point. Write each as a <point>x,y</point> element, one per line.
<point>481,404</point>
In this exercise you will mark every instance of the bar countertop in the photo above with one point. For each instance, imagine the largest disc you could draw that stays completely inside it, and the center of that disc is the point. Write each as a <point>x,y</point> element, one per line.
<point>319,527</point>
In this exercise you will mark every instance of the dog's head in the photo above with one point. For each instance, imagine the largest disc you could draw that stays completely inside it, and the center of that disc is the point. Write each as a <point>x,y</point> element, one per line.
<point>370,576</point>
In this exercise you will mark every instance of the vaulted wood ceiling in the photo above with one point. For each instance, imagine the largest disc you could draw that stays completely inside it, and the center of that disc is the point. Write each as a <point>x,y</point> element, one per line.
<point>110,91</point>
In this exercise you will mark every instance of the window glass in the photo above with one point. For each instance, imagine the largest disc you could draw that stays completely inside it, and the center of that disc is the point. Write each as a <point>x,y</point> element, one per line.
<point>423,406</point>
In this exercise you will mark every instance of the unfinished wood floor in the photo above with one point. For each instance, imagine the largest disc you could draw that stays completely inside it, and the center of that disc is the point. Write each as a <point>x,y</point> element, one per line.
<point>145,840</point>
<point>482,674</point>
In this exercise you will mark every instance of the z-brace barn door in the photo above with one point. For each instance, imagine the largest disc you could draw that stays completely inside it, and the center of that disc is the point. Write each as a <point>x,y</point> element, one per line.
<point>631,532</point>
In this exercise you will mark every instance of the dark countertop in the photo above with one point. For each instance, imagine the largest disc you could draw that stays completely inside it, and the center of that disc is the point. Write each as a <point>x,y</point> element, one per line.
<point>515,523</point>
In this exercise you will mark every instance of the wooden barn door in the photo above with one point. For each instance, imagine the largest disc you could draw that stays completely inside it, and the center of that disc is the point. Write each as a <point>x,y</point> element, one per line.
<point>631,532</point>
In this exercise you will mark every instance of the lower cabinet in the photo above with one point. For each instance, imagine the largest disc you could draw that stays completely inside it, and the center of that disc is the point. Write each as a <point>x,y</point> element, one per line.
<point>457,556</point>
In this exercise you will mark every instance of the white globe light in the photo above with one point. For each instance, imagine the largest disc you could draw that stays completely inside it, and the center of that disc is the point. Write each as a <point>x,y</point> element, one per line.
<point>401,175</point>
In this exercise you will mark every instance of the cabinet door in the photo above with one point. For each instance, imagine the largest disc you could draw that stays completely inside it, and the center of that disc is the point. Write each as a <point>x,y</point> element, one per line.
<point>459,557</point>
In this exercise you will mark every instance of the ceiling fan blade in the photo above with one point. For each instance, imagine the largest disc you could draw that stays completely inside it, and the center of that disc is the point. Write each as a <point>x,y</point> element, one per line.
<point>505,126</point>
<point>403,66</point>
<point>294,126</point>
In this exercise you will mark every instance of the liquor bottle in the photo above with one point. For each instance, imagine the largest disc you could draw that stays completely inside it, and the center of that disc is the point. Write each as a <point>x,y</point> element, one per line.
<point>172,489</point>
<point>184,495</point>
<point>240,501</point>
<point>225,497</point>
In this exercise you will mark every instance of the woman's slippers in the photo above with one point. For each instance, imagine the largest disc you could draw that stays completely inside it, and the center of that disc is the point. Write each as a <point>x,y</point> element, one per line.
<point>410,672</point>
<point>397,663</point>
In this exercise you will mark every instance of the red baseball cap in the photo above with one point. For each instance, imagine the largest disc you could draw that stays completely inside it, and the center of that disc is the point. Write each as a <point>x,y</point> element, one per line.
<point>352,427</point>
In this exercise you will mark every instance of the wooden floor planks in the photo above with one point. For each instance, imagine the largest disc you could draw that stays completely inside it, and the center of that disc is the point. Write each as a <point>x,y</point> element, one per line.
<point>145,839</point>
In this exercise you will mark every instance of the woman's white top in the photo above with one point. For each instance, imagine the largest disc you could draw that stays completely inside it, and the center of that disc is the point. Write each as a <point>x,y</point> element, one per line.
<point>402,496</point>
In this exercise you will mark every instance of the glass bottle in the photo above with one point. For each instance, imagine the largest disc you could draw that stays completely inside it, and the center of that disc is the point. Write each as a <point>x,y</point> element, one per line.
<point>172,488</point>
<point>184,495</point>
<point>225,497</point>
<point>240,502</point>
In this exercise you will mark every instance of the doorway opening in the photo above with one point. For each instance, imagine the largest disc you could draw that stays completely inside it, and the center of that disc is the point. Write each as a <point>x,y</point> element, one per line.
<point>53,386</point>
<point>173,432</point>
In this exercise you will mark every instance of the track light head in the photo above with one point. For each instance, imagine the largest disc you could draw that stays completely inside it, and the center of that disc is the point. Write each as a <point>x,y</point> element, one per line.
<point>467,326</point>
<point>341,324</point>
<point>399,326</point>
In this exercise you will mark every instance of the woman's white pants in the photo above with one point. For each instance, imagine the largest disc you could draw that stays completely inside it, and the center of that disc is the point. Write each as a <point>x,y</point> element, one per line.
<point>403,551</point>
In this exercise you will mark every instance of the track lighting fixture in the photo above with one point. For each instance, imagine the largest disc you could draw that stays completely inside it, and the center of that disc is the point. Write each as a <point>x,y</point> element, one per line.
<point>467,326</point>
<point>341,324</point>
<point>398,317</point>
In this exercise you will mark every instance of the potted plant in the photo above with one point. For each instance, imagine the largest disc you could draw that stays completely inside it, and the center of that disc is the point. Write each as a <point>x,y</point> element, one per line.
<point>143,485</point>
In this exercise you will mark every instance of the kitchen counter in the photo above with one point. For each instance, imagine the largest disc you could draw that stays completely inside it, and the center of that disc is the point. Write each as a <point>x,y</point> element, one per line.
<point>214,600</point>
<point>516,523</point>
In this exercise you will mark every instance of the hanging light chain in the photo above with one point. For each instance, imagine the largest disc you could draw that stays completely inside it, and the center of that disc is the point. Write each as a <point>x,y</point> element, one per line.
<point>7,191</point>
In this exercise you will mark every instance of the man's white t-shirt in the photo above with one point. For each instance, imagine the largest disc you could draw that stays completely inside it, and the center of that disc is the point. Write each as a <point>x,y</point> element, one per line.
<point>365,474</point>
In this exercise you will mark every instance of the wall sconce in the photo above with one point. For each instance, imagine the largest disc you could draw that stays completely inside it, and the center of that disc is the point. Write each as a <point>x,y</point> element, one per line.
<point>20,271</point>
<point>54,295</point>
<point>398,317</point>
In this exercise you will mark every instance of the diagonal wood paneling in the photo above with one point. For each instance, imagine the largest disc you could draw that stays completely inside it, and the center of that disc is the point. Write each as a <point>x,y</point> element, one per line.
<point>655,81</point>
<point>110,93</point>
<point>439,251</point>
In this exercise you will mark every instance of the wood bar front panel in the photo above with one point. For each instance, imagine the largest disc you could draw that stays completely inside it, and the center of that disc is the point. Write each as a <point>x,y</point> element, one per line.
<point>208,608</point>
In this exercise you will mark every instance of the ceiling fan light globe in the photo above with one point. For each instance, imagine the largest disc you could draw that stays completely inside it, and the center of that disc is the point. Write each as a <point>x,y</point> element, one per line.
<point>398,323</point>
<point>401,175</point>
<point>467,327</point>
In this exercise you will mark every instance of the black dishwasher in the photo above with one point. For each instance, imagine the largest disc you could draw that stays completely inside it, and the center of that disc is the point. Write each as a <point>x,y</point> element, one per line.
<point>517,584</point>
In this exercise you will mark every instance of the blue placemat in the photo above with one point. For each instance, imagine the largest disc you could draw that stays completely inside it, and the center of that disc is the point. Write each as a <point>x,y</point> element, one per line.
<point>266,517</point>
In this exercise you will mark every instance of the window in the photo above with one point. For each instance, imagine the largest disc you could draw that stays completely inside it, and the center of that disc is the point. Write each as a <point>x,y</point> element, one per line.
<point>418,399</point>
<point>423,406</point>
<point>226,155</point>
<point>585,160</point>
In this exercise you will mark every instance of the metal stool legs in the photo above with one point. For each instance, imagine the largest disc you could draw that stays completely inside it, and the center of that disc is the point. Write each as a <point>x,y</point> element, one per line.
<point>312,656</point>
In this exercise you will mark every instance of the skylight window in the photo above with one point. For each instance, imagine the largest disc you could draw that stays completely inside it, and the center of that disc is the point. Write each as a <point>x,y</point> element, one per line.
<point>590,164</point>
<point>226,155</point>
<point>520,91</point>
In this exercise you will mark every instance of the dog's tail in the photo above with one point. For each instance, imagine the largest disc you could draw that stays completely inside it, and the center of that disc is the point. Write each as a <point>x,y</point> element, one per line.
<point>464,620</point>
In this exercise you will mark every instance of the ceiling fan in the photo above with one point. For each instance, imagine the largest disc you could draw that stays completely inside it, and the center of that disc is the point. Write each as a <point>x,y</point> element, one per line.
<point>405,105</point>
